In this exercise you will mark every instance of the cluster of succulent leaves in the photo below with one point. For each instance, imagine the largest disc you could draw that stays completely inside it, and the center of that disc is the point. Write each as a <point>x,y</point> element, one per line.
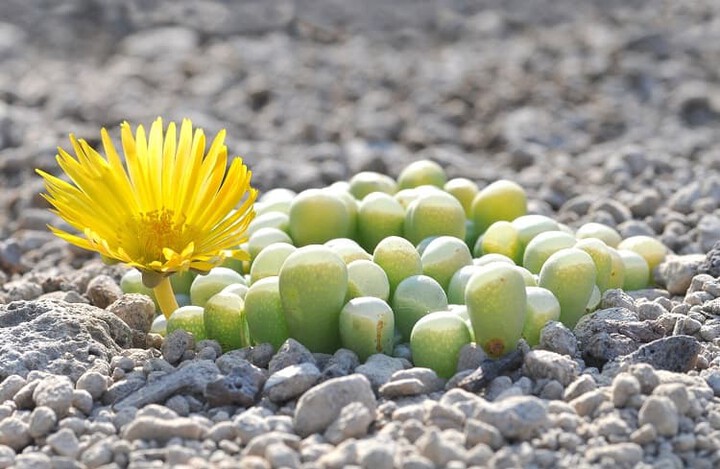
<point>371,262</point>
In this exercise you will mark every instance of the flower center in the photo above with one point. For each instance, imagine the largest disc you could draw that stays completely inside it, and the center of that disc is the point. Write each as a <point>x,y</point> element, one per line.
<point>156,230</point>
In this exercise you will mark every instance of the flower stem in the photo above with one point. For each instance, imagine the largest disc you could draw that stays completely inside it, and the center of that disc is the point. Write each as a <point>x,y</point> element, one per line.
<point>165,297</point>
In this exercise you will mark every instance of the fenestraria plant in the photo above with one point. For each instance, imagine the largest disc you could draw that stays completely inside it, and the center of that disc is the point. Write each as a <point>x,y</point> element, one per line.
<point>170,207</point>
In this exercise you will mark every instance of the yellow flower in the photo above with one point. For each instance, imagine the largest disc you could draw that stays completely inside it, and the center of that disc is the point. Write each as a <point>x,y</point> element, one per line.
<point>169,208</point>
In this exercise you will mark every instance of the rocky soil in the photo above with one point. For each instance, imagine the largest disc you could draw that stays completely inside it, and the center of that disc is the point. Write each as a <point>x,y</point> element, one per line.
<point>603,111</point>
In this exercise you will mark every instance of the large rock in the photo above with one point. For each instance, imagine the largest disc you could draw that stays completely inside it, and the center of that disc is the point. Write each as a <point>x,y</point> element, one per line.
<point>321,405</point>
<point>676,272</point>
<point>58,337</point>
<point>614,332</point>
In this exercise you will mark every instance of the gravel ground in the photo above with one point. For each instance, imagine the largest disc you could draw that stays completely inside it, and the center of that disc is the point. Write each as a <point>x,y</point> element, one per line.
<point>603,111</point>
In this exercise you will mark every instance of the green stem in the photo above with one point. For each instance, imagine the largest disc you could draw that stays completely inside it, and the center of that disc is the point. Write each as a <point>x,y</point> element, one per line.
<point>165,297</point>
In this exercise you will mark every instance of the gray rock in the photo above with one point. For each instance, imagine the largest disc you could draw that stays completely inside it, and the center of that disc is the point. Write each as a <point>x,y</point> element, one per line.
<point>260,355</point>
<point>583,384</point>
<point>587,403</point>
<point>610,333</point>
<point>471,357</point>
<point>342,363</point>
<point>650,311</point>
<point>291,352</point>
<point>249,425</point>
<point>10,386</point>
<point>193,377</point>
<point>517,417</point>
<point>491,370</point>
<point>443,416</point>
<point>11,256</point>
<point>617,298</point>
<point>23,399</point>
<point>556,337</point>
<point>42,420</point>
<point>98,454</point>
<point>321,405</point>
<point>254,462</point>
<point>402,388</point>
<point>438,450</point>
<point>14,433</point>
<point>353,422</point>
<point>122,389</point>
<point>176,344</point>
<point>626,454</point>
<point>22,290</point>
<point>103,291</point>
<point>646,376</point>
<point>677,353</point>
<point>93,382</point>
<point>624,387</point>
<point>82,401</point>
<point>377,454</point>
<point>259,445</point>
<point>644,435</point>
<point>661,413</point>
<point>479,432</point>
<point>160,429</point>
<point>64,442</point>
<point>136,310</point>
<point>708,232</point>
<point>379,368</point>
<point>677,392</point>
<point>55,392</point>
<point>279,455</point>
<point>543,364</point>
<point>676,272</point>
<point>58,337</point>
<point>241,386</point>
<point>291,381</point>
<point>686,325</point>
<point>429,379</point>
<point>222,431</point>
<point>32,461</point>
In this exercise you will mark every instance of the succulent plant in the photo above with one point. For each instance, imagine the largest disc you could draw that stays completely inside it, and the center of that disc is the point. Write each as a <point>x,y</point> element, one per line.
<point>367,326</point>
<point>189,318</point>
<point>398,258</point>
<point>500,200</point>
<point>637,271</point>
<point>464,190</point>
<point>436,340</point>
<point>379,215</point>
<point>367,279</point>
<point>420,284</point>
<point>420,173</point>
<point>205,286</point>
<point>264,237</point>
<point>599,231</point>
<point>367,182</point>
<point>313,283</point>
<point>434,213</point>
<point>542,246</point>
<point>570,274</point>
<point>443,256</point>
<point>651,249</point>
<point>500,238</point>
<point>413,298</point>
<point>264,312</point>
<point>496,302</point>
<point>269,261</point>
<point>224,319</point>
<point>542,307</point>
<point>317,216</point>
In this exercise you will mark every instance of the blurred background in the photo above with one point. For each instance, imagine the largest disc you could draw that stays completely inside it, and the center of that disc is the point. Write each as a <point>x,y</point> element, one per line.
<point>313,91</point>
